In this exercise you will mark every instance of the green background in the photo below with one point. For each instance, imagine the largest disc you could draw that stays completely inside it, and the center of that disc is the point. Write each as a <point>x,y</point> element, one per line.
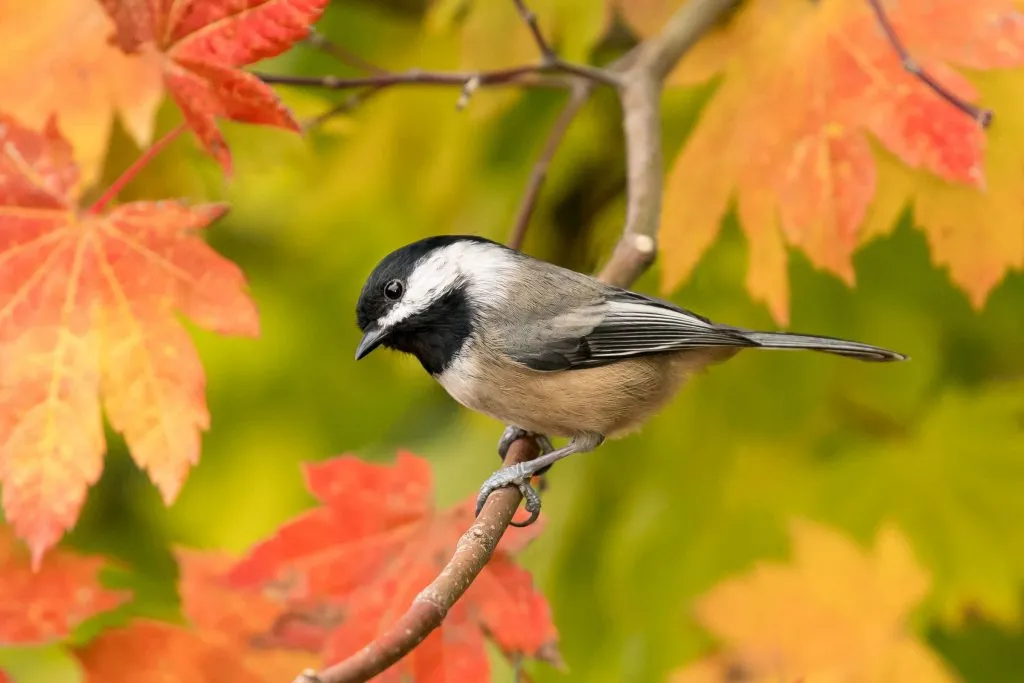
<point>643,526</point>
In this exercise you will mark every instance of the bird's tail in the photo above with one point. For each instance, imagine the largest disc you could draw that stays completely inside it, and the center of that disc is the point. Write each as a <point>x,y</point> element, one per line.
<point>840,347</point>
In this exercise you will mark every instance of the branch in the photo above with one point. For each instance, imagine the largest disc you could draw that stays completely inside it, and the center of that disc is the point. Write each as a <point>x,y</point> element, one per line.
<point>981,115</point>
<point>643,71</point>
<point>321,42</point>
<point>580,95</point>
<point>640,74</point>
<point>429,608</point>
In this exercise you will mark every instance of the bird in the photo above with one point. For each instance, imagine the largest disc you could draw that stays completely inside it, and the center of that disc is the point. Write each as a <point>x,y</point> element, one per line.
<point>546,350</point>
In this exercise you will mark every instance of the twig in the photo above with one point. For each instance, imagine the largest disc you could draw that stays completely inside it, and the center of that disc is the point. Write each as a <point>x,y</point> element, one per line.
<point>580,95</point>
<point>129,173</point>
<point>533,76</point>
<point>429,608</point>
<point>328,47</point>
<point>981,115</point>
<point>641,73</point>
<point>530,19</point>
<point>350,103</point>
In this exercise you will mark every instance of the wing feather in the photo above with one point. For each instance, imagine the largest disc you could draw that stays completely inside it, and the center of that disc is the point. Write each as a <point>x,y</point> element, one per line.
<point>629,325</point>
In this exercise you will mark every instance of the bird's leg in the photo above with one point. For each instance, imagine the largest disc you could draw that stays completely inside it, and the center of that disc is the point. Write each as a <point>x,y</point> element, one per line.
<point>512,434</point>
<point>519,475</point>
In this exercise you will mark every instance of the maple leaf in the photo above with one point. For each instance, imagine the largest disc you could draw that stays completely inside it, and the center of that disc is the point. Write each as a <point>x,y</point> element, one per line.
<point>374,544</point>
<point>88,305</point>
<point>836,613</point>
<point>788,130</point>
<point>45,605</point>
<point>203,42</point>
<point>154,652</point>
<point>224,642</point>
<point>271,639</point>
<point>57,61</point>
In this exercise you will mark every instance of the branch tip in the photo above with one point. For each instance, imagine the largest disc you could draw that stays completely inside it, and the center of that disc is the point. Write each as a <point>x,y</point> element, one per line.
<point>911,66</point>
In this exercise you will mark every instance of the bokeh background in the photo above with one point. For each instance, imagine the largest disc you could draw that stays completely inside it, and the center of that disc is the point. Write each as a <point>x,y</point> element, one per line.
<point>644,526</point>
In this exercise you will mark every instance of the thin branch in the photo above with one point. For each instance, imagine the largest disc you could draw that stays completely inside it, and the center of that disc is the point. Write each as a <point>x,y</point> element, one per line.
<point>429,608</point>
<point>580,95</point>
<point>350,103</point>
<point>321,42</point>
<point>533,76</point>
<point>641,74</point>
<point>530,19</point>
<point>981,115</point>
<point>129,173</point>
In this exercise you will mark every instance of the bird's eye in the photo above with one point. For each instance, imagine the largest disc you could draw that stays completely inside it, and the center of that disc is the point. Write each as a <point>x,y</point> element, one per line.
<point>393,289</point>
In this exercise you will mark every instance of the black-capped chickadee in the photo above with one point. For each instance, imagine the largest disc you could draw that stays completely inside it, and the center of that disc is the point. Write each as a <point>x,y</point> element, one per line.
<point>546,350</point>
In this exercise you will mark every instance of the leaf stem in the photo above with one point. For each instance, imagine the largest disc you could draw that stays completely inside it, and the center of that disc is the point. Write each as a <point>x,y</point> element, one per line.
<point>981,115</point>
<point>129,173</point>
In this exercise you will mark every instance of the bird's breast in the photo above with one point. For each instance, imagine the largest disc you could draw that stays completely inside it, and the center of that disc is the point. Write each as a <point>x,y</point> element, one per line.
<point>609,400</point>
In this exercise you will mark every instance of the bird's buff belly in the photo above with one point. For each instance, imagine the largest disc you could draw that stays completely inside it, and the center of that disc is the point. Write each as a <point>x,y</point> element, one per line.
<point>610,400</point>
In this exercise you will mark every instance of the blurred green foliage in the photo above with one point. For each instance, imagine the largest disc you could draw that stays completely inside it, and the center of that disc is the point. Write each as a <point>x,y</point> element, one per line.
<point>646,524</point>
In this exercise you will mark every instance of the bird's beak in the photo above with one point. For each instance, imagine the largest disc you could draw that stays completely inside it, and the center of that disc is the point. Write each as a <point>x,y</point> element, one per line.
<point>372,338</point>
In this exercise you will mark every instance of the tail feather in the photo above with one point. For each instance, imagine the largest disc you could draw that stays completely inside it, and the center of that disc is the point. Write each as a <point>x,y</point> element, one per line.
<point>840,347</point>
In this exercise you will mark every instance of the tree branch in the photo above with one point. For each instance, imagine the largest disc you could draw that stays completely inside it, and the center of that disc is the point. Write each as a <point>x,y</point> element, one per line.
<point>429,608</point>
<point>640,75</point>
<point>643,72</point>
<point>981,115</point>
<point>580,94</point>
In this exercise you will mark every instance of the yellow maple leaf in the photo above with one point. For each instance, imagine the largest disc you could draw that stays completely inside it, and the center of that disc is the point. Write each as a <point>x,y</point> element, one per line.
<point>836,614</point>
<point>57,59</point>
<point>807,89</point>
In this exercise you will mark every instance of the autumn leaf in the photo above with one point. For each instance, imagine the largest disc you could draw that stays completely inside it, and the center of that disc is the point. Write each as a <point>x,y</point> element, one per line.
<point>836,613</point>
<point>374,544</point>
<point>46,604</point>
<point>58,61</point>
<point>202,43</point>
<point>225,640</point>
<point>953,483</point>
<point>154,652</point>
<point>89,307</point>
<point>807,89</point>
<point>271,639</point>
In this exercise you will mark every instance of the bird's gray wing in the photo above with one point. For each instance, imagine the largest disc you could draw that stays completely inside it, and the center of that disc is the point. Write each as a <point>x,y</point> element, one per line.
<point>622,325</point>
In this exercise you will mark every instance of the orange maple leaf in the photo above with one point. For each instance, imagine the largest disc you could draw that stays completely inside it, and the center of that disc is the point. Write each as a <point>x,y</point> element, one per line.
<point>88,305</point>
<point>787,132</point>
<point>155,652</point>
<point>58,61</point>
<point>224,642</point>
<point>376,542</point>
<point>270,638</point>
<point>202,42</point>
<point>836,613</point>
<point>45,605</point>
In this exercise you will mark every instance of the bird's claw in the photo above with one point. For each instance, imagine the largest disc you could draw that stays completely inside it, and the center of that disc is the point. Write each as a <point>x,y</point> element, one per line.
<point>518,476</point>
<point>512,434</point>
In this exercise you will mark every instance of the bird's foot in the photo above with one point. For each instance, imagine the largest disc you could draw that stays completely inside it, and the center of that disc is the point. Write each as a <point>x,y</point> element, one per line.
<point>512,434</point>
<point>517,475</point>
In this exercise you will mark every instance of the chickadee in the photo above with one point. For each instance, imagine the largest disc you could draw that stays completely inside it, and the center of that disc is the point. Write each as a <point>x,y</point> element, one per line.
<point>546,350</point>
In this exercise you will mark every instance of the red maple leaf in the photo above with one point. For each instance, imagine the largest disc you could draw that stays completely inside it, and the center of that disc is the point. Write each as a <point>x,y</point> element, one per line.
<point>45,605</point>
<point>203,42</point>
<point>374,544</point>
<point>89,305</point>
